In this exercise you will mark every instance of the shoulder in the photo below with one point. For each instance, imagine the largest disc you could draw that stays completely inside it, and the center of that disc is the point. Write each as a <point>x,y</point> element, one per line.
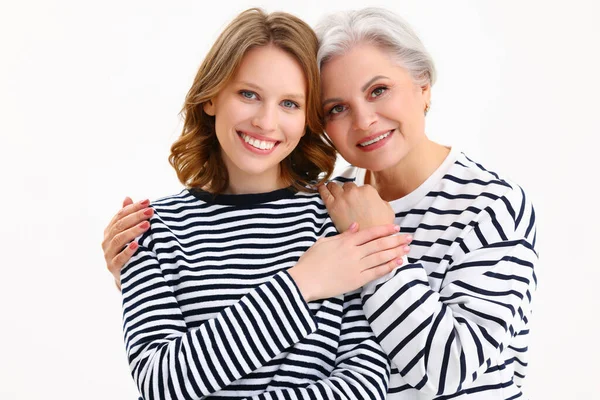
<point>492,197</point>
<point>346,174</point>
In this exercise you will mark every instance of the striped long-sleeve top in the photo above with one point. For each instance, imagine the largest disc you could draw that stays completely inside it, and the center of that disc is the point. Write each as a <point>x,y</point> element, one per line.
<point>210,311</point>
<point>455,319</point>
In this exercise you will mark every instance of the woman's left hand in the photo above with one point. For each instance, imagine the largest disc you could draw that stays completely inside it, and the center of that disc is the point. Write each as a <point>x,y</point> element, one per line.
<point>349,203</point>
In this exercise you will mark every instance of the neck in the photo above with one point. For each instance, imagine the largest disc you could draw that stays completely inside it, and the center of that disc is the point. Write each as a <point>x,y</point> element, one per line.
<point>410,173</point>
<point>242,183</point>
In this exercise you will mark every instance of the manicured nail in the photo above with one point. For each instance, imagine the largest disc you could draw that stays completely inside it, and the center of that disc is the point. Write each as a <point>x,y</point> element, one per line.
<point>148,212</point>
<point>145,202</point>
<point>133,245</point>
<point>397,228</point>
<point>399,261</point>
<point>409,239</point>
<point>145,225</point>
<point>406,249</point>
<point>352,226</point>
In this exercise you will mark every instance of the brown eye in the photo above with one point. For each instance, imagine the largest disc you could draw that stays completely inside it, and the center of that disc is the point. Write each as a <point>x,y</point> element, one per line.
<point>378,91</point>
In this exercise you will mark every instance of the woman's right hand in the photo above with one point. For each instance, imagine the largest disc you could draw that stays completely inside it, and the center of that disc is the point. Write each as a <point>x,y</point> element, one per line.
<point>126,225</point>
<point>343,263</point>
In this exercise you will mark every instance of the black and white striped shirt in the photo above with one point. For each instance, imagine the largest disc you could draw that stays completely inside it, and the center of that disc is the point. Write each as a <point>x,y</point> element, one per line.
<point>210,311</point>
<point>455,319</point>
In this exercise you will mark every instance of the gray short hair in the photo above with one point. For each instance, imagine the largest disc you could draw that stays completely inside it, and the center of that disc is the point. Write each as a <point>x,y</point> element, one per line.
<point>341,31</point>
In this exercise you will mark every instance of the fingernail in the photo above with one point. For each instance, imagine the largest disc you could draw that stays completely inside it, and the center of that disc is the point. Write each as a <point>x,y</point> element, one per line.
<point>409,239</point>
<point>145,202</point>
<point>397,228</point>
<point>406,249</point>
<point>133,245</point>
<point>145,225</point>
<point>352,226</point>
<point>148,212</point>
<point>399,261</point>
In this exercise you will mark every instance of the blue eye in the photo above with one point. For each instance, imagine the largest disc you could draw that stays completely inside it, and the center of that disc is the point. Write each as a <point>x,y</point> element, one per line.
<point>248,94</point>
<point>289,104</point>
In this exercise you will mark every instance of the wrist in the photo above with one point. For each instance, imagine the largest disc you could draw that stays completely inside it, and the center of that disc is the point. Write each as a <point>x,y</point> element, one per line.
<point>302,283</point>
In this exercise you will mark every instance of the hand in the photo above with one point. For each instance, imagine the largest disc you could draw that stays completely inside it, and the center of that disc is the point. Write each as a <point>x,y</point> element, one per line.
<point>350,203</point>
<point>125,226</point>
<point>345,262</point>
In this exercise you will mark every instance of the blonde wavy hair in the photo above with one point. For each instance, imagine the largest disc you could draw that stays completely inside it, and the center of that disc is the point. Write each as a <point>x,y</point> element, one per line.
<point>196,155</point>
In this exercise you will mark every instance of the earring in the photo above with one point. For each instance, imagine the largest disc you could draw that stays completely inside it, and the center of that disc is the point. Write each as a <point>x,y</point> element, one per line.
<point>427,106</point>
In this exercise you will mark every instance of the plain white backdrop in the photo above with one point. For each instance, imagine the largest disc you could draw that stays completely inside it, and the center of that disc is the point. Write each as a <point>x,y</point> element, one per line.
<point>89,100</point>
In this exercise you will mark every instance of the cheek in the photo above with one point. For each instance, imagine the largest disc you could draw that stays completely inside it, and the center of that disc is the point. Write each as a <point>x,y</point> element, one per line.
<point>294,125</point>
<point>337,132</point>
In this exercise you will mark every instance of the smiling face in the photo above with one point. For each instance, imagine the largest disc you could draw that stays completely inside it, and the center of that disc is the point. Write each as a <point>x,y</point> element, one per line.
<point>374,112</point>
<point>260,118</point>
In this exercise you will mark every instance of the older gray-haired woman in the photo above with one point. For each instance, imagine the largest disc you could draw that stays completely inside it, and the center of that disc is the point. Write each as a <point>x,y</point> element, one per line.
<point>454,320</point>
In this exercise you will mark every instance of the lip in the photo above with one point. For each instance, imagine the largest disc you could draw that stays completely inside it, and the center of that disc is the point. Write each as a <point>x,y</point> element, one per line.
<point>378,144</point>
<point>258,137</point>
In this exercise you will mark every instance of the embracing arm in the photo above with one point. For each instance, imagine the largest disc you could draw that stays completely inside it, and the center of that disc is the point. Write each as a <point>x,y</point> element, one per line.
<point>170,360</point>
<point>441,341</point>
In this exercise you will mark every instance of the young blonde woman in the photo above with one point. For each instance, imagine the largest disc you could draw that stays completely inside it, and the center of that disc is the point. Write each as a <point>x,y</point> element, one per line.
<point>218,299</point>
<point>455,320</point>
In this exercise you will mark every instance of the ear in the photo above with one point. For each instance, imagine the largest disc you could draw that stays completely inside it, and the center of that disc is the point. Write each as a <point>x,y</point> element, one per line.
<point>209,107</point>
<point>426,93</point>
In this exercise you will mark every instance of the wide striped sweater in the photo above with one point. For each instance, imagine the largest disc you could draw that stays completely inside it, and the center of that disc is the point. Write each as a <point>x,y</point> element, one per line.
<point>210,311</point>
<point>455,319</point>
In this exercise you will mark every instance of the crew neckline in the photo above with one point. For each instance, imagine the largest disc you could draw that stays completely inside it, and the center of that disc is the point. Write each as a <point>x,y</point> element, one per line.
<point>243,199</point>
<point>412,198</point>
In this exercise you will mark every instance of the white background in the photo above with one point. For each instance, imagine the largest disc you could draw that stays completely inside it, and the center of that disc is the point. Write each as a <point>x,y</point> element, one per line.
<point>89,100</point>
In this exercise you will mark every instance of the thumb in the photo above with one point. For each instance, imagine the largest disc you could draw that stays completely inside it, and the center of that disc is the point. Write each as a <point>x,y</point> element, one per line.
<point>127,201</point>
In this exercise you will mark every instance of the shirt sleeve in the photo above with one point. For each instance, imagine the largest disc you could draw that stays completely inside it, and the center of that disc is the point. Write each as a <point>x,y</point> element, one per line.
<point>441,340</point>
<point>362,369</point>
<point>170,360</point>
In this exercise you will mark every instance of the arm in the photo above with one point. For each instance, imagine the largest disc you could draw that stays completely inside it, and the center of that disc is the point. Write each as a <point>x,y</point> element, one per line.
<point>440,341</point>
<point>170,360</point>
<point>362,368</point>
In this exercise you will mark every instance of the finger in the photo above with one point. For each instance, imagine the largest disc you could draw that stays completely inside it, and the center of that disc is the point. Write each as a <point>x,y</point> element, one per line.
<point>335,189</point>
<point>379,271</point>
<point>121,259</point>
<point>372,233</point>
<point>115,244</point>
<point>348,186</point>
<point>129,221</point>
<point>131,208</point>
<point>127,201</point>
<point>382,257</point>
<point>384,243</point>
<point>326,195</point>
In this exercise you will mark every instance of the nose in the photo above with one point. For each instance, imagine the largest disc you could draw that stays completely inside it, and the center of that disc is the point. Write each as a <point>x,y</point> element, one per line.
<point>364,116</point>
<point>266,118</point>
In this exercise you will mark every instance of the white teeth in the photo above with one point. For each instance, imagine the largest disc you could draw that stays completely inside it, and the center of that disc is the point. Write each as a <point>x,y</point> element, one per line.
<point>259,144</point>
<point>377,139</point>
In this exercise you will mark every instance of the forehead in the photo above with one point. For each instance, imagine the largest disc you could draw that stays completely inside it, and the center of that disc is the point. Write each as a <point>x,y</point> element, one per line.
<point>271,67</point>
<point>356,66</point>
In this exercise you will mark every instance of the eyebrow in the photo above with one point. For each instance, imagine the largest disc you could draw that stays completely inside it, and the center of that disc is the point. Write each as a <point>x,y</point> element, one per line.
<point>362,89</point>
<point>296,96</point>
<point>366,85</point>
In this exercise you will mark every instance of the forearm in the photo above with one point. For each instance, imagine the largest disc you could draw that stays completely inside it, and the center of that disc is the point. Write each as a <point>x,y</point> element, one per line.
<point>169,359</point>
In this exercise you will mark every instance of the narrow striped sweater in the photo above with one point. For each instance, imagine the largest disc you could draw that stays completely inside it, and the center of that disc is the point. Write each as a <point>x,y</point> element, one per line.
<point>455,319</point>
<point>210,311</point>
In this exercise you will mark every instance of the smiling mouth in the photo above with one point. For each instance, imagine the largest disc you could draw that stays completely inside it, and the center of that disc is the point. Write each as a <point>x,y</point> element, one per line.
<point>257,143</point>
<point>376,139</point>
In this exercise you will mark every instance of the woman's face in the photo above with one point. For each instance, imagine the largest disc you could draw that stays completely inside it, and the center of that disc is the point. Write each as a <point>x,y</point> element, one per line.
<point>374,112</point>
<point>260,115</point>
